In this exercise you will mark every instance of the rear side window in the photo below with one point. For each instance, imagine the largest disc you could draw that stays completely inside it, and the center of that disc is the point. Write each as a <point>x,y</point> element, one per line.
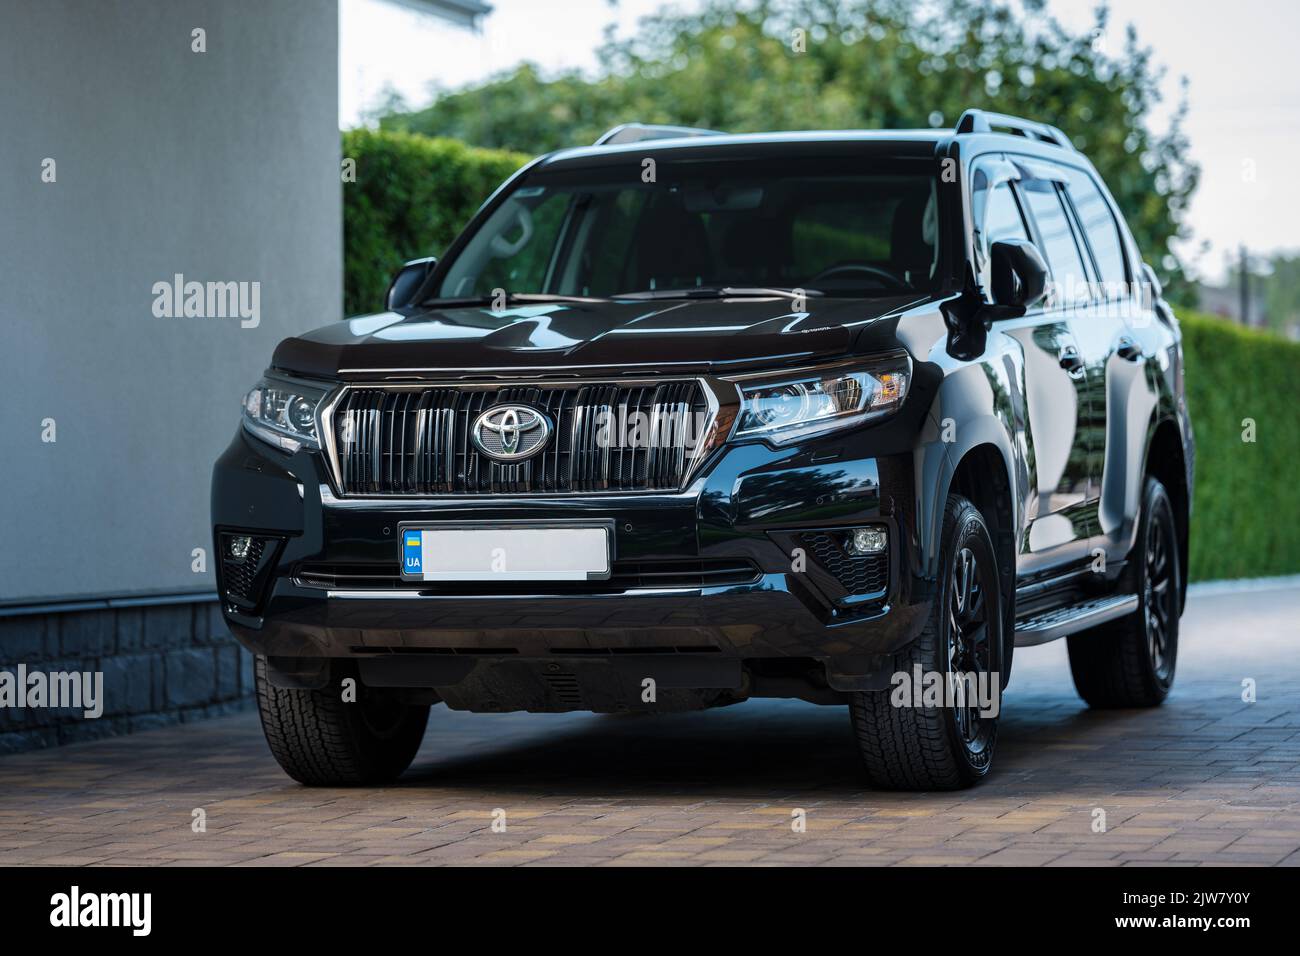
<point>1059,247</point>
<point>1100,228</point>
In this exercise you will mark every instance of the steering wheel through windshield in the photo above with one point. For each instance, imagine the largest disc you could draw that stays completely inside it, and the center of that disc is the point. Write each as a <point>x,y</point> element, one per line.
<point>890,279</point>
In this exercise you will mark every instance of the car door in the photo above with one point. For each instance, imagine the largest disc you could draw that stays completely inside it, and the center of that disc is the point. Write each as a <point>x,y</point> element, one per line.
<point>1111,338</point>
<point>1056,398</point>
<point>1041,187</point>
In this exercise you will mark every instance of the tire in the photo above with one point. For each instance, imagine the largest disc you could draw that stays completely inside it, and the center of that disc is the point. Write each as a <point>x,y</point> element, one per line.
<point>322,741</point>
<point>946,746</point>
<point>1130,662</point>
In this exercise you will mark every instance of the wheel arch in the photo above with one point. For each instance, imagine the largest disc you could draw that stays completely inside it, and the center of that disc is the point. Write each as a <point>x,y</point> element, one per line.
<point>1166,461</point>
<point>981,472</point>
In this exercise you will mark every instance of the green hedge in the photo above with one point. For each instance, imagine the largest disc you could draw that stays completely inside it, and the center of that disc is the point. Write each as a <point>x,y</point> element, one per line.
<point>1246,506</point>
<point>412,195</point>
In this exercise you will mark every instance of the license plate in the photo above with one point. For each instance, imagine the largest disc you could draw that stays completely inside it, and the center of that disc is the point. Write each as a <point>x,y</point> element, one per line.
<point>506,552</point>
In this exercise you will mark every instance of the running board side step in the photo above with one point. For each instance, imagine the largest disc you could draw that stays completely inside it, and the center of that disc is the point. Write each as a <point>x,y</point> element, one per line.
<point>1052,625</point>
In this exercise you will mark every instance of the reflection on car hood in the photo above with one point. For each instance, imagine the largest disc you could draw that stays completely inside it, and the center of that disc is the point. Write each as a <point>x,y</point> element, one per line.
<point>713,335</point>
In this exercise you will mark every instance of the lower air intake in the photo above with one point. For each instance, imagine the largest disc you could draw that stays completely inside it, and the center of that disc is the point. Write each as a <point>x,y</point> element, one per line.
<point>859,575</point>
<point>243,580</point>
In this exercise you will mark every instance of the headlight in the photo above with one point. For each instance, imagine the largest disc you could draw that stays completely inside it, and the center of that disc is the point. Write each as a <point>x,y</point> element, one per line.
<point>283,412</point>
<point>783,408</point>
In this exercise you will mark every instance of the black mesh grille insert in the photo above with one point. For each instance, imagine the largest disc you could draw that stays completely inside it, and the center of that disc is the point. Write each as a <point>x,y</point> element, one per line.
<point>244,581</point>
<point>241,575</point>
<point>416,441</point>
<point>859,575</point>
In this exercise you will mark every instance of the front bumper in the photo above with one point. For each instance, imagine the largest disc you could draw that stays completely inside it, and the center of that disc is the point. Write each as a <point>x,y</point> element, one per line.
<point>749,506</point>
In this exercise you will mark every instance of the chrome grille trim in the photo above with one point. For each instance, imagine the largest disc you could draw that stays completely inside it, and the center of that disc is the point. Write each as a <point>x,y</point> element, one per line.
<point>389,459</point>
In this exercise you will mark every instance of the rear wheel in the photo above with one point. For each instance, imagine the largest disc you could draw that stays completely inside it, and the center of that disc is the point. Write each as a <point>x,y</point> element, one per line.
<point>322,740</point>
<point>910,741</point>
<point>1130,662</point>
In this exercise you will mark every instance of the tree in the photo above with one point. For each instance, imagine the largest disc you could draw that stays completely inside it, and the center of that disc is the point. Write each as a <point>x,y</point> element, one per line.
<point>830,64</point>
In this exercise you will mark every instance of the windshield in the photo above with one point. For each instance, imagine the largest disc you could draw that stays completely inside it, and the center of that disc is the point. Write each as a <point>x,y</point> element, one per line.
<point>858,228</point>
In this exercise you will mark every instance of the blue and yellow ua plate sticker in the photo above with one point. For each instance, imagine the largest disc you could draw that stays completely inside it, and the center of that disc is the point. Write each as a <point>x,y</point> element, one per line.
<point>411,552</point>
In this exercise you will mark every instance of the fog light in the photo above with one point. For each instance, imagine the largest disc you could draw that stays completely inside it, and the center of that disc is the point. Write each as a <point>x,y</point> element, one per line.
<point>240,545</point>
<point>866,541</point>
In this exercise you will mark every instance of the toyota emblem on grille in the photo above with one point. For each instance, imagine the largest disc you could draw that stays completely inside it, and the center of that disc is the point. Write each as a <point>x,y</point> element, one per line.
<point>511,432</point>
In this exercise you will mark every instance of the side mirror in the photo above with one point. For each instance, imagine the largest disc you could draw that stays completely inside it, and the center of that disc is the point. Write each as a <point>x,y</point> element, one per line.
<point>1018,277</point>
<point>407,282</point>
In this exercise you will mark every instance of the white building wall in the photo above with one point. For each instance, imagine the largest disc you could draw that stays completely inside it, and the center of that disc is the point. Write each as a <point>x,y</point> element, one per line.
<point>220,166</point>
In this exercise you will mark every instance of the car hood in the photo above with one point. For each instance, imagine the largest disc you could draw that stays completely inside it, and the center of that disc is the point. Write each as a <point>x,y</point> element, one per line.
<point>627,336</point>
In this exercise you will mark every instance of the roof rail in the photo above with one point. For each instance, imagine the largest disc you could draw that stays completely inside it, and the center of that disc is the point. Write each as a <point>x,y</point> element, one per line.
<point>636,132</point>
<point>982,121</point>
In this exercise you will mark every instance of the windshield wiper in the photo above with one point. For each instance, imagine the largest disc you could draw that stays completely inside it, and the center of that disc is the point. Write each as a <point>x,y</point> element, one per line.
<point>720,292</point>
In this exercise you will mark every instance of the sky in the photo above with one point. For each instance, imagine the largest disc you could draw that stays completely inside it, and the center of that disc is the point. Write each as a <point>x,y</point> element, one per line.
<point>1244,88</point>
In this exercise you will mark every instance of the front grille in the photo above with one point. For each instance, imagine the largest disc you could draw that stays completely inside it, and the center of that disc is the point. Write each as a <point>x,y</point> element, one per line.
<point>626,575</point>
<point>416,441</point>
<point>858,574</point>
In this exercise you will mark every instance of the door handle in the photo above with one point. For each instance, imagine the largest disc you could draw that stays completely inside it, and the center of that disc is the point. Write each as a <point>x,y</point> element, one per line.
<point>1127,349</point>
<point>1071,360</point>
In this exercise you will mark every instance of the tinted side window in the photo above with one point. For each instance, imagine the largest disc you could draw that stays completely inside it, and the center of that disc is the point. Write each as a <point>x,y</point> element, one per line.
<point>1100,228</point>
<point>1060,249</point>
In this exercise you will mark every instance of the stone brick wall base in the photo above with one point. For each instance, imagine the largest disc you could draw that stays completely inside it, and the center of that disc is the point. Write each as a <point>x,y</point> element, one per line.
<point>161,664</point>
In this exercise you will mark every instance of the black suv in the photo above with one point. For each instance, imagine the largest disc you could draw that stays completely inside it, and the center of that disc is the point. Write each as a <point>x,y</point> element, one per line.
<point>685,418</point>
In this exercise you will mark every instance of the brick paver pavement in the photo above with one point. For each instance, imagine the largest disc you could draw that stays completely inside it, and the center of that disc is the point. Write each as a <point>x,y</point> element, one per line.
<point>1205,779</point>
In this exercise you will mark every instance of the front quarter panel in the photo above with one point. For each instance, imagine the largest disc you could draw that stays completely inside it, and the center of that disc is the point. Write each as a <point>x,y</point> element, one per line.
<point>980,402</point>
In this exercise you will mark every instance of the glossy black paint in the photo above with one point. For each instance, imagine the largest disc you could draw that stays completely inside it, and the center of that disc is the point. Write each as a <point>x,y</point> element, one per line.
<point>1058,408</point>
<point>626,336</point>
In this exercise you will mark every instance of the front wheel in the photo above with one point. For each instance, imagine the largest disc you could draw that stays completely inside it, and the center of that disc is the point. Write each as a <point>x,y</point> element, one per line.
<point>937,727</point>
<point>324,738</point>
